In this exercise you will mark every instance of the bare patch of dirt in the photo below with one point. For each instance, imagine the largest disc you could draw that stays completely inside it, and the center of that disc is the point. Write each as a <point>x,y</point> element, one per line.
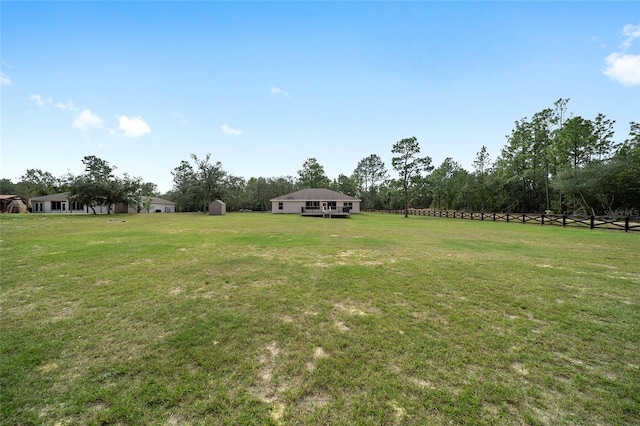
<point>175,420</point>
<point>264,389</point>
<point>354,309</point>
<point>318,353</point>
<point>318,399</point>
<point>421,383</point>
<point>65,313</point>
<point>399,412</point>
<point>48,368</point>
<point>520,369</point>
<point>341,326</point>
<point>277,412</point>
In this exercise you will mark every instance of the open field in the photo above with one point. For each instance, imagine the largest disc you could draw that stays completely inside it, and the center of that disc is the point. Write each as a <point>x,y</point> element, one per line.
<point>178,319</point>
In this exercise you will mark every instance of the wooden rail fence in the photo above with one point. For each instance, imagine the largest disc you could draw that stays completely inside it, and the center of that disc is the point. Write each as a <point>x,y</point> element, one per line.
<point>625,224</point>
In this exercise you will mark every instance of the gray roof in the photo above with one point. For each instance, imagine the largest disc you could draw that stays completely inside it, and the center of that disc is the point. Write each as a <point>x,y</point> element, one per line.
<point>62,196</point>
<point>315,194</point>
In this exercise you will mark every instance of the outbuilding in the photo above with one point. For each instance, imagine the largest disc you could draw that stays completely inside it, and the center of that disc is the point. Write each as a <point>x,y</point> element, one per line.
<point>12,204</point>
<point>217,208</point>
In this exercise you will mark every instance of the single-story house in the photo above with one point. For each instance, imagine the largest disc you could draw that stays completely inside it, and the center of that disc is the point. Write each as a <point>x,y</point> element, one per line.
<point>59,203</point>
<point>316,202</point>
<point>157,205</point>
<point>12,204</point>
<point>218,208</point>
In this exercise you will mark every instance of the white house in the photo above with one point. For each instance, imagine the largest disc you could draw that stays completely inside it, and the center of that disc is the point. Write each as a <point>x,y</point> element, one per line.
<point>157,205</point>
<point>316,202</point>
<point>59,203</point>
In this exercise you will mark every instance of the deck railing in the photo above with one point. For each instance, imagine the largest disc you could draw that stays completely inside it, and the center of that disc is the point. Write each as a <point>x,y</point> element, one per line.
<point>327,210</point>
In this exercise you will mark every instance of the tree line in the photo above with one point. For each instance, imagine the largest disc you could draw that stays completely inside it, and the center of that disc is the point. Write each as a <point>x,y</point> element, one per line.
<point>552,162</point>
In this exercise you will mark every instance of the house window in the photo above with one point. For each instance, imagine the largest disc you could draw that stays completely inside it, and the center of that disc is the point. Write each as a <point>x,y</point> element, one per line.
<point>37,207</point>
<point>280,206</point>
<point>331,205</point>
<point>312,205</point>
<point>74,205</point>
<point>56,205</point>
<point>348,205</point>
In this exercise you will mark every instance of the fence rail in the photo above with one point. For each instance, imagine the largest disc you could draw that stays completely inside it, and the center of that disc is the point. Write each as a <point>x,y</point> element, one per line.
<point>626,224</point>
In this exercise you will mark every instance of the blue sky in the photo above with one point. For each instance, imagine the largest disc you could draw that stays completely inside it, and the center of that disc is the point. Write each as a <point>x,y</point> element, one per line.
<point>263,86</point>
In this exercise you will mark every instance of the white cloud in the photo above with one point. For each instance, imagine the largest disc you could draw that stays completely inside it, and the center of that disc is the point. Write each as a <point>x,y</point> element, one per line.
<point>279,91</point>
<point>86,119</point>
<point>632,32</point>
<point>133,127</point>
<point>229,131</point>
<point>621,66</point>
<point>42,103</point>
<point>69,106</point>
<point>4,80</point>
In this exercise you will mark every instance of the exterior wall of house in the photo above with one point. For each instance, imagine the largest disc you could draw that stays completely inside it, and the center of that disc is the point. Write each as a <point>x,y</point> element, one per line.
<point>64,207</point>
<point>287,206</point>
<point>297,206</point>
<point>354,208</point>
<point>159,208</point>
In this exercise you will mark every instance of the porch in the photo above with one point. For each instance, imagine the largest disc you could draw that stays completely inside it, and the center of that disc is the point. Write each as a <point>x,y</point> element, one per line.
<point>328,212</point>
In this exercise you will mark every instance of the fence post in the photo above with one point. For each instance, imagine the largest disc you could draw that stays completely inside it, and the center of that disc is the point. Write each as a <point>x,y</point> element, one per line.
<point>454,215</point>
<point>494,217</point>
<point>591,222</point>
<point>626,224</point>
<point>523,218</point>
<point>564,220</point>
<point>482,216</point>
<point>507,217</point>
<point>542,220</point>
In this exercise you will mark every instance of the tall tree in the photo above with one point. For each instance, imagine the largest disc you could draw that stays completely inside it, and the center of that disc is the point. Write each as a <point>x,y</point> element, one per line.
<point>196,185</point>
<point>312,175</point>
<point>98,186</point>
<point>7,187</point>
<point>184,187</point>
<point>347,185</point>
<point>234,188</point>
<point>38,182</point>
<point>481,172</point>
<point>445,184</point>
<point>370,172</point>
<point>209,179</point>
<point>408,164</point>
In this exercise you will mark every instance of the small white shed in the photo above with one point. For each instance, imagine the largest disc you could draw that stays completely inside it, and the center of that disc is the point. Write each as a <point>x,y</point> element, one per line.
<point>217,208</point>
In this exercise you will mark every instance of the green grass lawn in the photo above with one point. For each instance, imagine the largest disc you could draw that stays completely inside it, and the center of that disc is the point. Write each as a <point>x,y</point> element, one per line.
<point>182,319</point>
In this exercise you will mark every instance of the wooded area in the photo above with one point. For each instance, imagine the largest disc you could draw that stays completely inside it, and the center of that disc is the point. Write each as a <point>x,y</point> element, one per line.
<point>553,162</point>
